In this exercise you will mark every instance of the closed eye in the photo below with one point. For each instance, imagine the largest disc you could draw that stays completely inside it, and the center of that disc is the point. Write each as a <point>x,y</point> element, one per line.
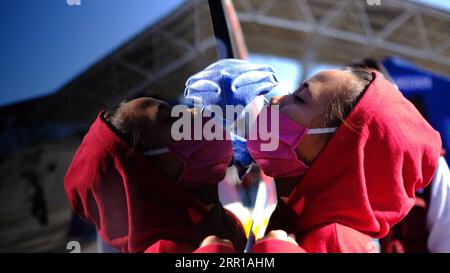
<point>298,99</point>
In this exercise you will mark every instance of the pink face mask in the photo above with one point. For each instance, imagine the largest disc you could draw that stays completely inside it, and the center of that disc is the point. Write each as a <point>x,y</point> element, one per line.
<point>282,161</point>
<point>204,161</point>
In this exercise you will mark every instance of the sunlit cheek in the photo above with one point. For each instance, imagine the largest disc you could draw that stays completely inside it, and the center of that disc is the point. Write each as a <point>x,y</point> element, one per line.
<point>297,113</point>
<point>287,109</point>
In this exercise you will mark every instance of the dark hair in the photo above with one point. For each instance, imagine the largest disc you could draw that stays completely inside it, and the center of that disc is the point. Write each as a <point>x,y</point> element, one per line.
<point>343,102</point>
<point>368,63</point>
<point>125,126</point>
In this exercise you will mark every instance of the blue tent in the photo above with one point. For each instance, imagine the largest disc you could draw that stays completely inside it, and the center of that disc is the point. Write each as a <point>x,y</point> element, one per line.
<point>428,91</point>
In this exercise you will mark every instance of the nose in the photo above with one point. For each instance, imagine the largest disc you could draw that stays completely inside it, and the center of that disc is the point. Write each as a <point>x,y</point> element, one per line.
<point>276,100</point>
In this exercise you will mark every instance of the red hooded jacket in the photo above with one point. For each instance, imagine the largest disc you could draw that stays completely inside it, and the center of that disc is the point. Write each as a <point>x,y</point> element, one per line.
<point>364,180</point>
<point>134,207</point>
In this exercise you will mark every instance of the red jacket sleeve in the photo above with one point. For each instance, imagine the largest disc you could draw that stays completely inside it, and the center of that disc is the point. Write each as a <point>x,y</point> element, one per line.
<point>276,246</point>
<point>215,248</point>
<point>331,238</point>
<point>166,246</point>
<point>337,238</point>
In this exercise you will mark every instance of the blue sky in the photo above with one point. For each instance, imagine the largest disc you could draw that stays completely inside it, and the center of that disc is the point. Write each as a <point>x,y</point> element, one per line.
<point>46,43</point>
<point>443,4</point>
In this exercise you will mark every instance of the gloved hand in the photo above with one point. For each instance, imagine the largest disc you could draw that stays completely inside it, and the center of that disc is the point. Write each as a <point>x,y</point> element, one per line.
<point>230,82</point>
<point>241,154</point>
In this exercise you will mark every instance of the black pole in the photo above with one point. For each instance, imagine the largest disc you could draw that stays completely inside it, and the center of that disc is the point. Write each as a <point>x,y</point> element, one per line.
<point>221,33</point>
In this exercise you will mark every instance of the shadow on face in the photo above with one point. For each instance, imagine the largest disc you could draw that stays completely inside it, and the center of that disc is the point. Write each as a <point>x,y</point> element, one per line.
<point>148,120</point>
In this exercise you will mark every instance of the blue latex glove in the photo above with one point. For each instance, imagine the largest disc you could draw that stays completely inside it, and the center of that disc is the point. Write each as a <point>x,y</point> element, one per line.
<point>230,82</point>
<point>241,153</point>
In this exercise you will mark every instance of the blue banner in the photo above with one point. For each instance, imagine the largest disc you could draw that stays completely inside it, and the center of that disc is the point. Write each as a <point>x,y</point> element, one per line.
<point>430,93</point>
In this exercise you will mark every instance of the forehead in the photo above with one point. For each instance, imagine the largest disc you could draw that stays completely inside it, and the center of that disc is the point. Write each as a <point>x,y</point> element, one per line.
<point>328,77</point>
<point>328,82</point>
<point>145,108</point>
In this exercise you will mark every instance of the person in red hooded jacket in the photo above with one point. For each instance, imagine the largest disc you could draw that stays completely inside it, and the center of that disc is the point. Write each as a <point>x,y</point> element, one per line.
<point>339,188</point>
<point>144,191</point>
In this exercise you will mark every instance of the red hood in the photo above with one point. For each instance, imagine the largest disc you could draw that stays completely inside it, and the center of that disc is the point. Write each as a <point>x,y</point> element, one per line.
<point>131,203</point>
<point>366,176</point>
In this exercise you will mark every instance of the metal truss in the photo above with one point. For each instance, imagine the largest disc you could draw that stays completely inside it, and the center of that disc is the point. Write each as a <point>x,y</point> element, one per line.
<point>177,40</point>
<point>190,48</point>
<point>413,14</point>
